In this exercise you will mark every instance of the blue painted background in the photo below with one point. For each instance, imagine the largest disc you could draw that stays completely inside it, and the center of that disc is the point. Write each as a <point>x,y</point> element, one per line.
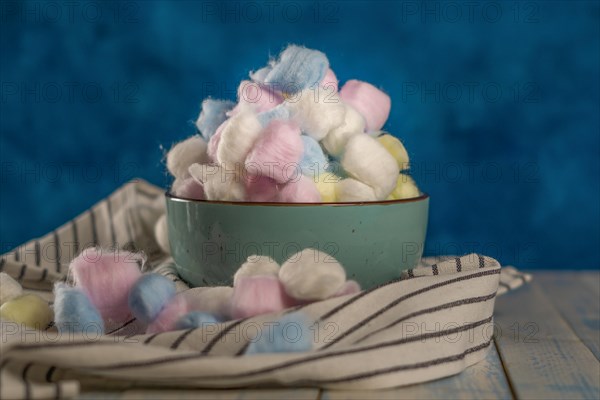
<point>497,102</point>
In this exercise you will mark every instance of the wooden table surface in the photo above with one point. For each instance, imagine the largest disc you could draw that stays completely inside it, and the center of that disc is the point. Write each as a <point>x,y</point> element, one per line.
<point>546,345</point>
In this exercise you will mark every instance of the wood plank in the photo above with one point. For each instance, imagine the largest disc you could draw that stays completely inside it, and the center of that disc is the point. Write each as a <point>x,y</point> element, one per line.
<point>245,394</point>
<point>577,303</point>
<point>483,380</point>
<point>542,355</point>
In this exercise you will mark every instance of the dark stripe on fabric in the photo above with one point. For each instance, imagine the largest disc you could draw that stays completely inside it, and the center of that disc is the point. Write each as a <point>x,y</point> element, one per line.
<point>221,335</point>
<point>457,303</point>
<point>481,261</point>
<point>58,394</point>
<point>458,264</point>
<point>181,338</point>
<point>411,273</point>
<point>17,255</point>
<point>150,338</point>
<point>25,381</point>
<point>2,262</point>
<point>38,253</point>
<point>434,268</point>
<point>242,350</point>
<point>121,327</point>
<point>113,234</point>
<point>75,238</point>
<point>44,275</point>
<point>93,225</point>
<point>57,251</point>
<point>50,373</point>
<point>22,273</point>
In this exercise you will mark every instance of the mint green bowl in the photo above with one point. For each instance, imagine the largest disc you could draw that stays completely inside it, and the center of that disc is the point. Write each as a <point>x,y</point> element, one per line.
<point>374,241</point>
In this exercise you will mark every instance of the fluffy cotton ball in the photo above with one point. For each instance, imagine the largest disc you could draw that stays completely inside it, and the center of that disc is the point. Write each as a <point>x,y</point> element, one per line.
<point>167,319</point>
<point>214,300</point>
<point>317,111</point>
<point>369,101</point>
<point>336,140</point>
<point>406,188</point>
<point>298,68</point>
<point>213,113</point>
<point>186,153</point>
<point>258,96</point>
<point>366,160</point>
<point>9,288</point>
<point>150,294</point>
<point>237,137</point>
<point>29,309</point>
<point>75,313</point>
<point>259,294</point>
<point>330,80</point>
<point>188,188</point>
<point>281,339</point>
<point>313,160</point>
<point>161,234</point>
<point>302,190</point>
<point>350,190</point>
<point>395,147</point>
<point>220,182</point>
<point>312,275</point>
<point>196,319</point>
<point>327,186</point>
<point>280,112</point>
<point>256,265</point>
<point>261,189</point>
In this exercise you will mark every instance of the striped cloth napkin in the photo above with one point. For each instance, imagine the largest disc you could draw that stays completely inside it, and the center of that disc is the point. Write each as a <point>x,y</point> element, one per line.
<point>434,321</point>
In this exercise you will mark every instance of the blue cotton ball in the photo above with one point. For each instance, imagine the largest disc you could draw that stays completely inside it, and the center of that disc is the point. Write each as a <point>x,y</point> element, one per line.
<point>213,114</point>
<point>149,295</point>
<point>298,68</point>
<point>290,334</point>
<point>279,112</point>
<point>196,319</point>
<point>313,159</point>
<point>74,312</point>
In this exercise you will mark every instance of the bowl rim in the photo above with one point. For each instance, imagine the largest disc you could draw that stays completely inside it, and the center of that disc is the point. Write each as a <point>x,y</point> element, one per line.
<point>172,197</point>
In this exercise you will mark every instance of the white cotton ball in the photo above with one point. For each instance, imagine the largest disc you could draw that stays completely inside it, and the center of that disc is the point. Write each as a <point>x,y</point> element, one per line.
<point>336,140</point>
<point>214,300</point>
<point>367,160</point>
<point>350,190</point>
<point>256,265</point>
<point>238,136</point>
<point>317,111</point>
<point>161,234</point>
<point>406,188</point>
<point>220,182</point>
<point>9,288</point>
<point>312,275</point>
<point>186,153</point>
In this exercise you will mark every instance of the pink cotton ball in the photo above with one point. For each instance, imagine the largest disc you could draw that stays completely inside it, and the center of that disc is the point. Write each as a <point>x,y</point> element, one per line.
<point>277,152</point>
<point>260,97</point>
<point>373,104</point>
<point>107,278</point>
<point>213,143</point>
<point>261,189</point>
<point>349,287</point>
<point>255,295</point>
<point>169,315</point>
<point>300,190</point>
<point>330,80</point>
<point>188,188</point>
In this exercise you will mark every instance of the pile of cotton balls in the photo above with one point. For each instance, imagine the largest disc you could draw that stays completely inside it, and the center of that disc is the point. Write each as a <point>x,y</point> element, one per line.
<point>293,137</point>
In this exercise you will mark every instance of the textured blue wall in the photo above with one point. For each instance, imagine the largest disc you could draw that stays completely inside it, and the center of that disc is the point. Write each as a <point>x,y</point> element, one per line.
<point>497,102</point>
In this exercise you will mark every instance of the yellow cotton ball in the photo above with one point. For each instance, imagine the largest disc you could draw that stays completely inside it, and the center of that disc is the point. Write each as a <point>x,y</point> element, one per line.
<point>395,147</point>
<point>406,188</point>
<point>29,309</point>
<point>326,182</point>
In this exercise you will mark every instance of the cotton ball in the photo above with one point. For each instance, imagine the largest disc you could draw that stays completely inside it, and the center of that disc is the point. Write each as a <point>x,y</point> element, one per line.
<point>370,102</point>
<point>298,68</point>
<point>213,114</point>
<point>335,167</point>
<point>350,191</point>
<point>349,287</point>
<point>196,319</point>
<point>289,334</point>
<point>238,137</point>
<point>313,160</point>
<point>9,288</point>
<point>255,295</point>
<point>406,188</point>
<point>261,189</point>
<point>395,147</point>
<point>330,80</point>
<point>74,312</point>
<point>327,186</point>
<point>317,111</point>
<point>185,153</point>
<point>29,310</point>
<point>366,160</point>
<point>277,152</point>
<point>107,278</point>
<point>280,112</point>
<point>161,234</point>
<point>256,265</point>
<point>258,96</point>
<point>214,300</point>
<point>299,190</point>
<point>312,275</point>
<point>188,188</point>
<point>336,140</point>
<point>149,296</point>
<point>220,182</point>
<point>169,315</point>
<point>260,75</point>
<point>213,143</point>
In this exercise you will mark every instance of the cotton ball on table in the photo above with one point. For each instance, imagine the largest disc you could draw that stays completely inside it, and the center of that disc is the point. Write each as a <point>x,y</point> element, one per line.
<point>406,188</point>
<point>350,190</point>
<point>312,275</point>
<point>336,139</point>
<point>289,334</point>
<point>188,188</point>
<point>327,187</point>
<point>395,147</point>
<point>277,152</point>
<point>313,160</point>
<point>185,153</point>
<point>330,80</point>
<point>255,295</point>
<point>256,265</point>
<point>299,190</point>
<point>238,137</point>
<point>298,68</point>
<point>213,113</point>
<point>258,96</point>
<point>317,111</point>
<point>196,319</point>
<point>74,312</point>
<point>107,278</point>
<point>150,295</point>
<point>214,300</point>
<point>29,310</point>
<point>261,189</point>
<point>370,102</point>
<point>161,234</point>
<point>366,160</point>
<point>219,181</point>
<point>169,315</point>
<point>9,288</point>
